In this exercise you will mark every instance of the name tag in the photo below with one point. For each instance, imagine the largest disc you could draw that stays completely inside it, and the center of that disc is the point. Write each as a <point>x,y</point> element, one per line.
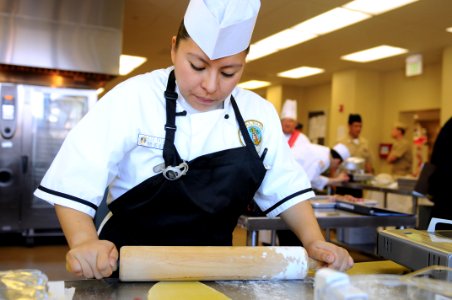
<point>151,141</point>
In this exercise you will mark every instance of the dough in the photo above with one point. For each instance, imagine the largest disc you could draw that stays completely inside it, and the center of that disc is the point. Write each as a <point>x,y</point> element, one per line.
<point>186,290</point>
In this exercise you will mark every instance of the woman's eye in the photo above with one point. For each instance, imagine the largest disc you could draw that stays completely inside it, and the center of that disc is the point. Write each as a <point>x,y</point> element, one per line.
<point>227,74</point>
<point>196,68</point>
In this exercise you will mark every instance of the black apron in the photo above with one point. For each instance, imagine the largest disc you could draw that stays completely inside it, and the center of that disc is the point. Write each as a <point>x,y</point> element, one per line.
<point>201,208</point>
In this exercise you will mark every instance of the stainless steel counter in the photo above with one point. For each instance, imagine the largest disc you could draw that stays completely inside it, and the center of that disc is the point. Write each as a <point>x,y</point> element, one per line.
<point>385,190</point>
<point>328,218</point>
<point>249,290</point>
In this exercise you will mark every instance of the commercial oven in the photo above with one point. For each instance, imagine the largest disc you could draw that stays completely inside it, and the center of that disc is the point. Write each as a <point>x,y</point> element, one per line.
<point>34,121</point>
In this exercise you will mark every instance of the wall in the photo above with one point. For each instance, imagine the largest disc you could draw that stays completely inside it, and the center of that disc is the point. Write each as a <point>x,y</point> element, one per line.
<point>403,94</point>
<point>381,99</point>
<point>446,93</point>
<point>279,93</point>
<point>356,91</point>
<point>315,98</point>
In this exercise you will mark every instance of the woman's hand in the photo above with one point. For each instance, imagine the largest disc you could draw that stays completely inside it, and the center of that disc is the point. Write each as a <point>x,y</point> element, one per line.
<point>89,257</point>
<point>301,220</point>
<point>333,256</point>
<point>92,259</point>
<point>342,177</point>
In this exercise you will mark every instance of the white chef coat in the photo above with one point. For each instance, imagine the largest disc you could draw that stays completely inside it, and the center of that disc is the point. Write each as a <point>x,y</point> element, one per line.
<point>298,146</point>
<point>315,159</point>
<point>119,144</point>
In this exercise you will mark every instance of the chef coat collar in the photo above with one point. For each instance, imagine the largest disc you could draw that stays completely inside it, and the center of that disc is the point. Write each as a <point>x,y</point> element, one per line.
<point>183,105</point>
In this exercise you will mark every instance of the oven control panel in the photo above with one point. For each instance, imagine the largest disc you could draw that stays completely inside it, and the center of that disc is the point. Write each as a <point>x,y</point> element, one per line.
<point>8,110</point>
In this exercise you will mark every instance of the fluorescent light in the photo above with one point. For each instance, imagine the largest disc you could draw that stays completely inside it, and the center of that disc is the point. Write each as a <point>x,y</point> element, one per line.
<point>253,84</point>
<point>337,18</point>
<point>128,63</point>
<point>276,42</point>
<point>331,20</point>
<point>449,29</point>
<point>376,7</point>
<point>257,52</point>
<point>375,53</point>
<point>300,72</point>
<point>100,91</point>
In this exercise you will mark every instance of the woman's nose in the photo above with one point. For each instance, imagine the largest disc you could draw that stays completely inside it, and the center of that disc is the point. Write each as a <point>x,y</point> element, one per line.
<point>210,82</point>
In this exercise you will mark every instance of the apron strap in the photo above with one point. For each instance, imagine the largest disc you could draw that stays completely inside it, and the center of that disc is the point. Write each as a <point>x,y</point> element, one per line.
<point>170,154</point>
<point>246,136</point>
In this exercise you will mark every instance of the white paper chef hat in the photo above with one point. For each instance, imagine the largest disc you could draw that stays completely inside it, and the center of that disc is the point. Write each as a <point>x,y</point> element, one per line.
<point>289,109</point>
<point>342,150</point>
<point>221,27</point>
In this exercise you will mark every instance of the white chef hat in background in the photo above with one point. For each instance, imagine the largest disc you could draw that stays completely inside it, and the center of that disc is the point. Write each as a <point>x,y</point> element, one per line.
<point>342,150</point>
<point>221,27</point>
<point>289,109</point>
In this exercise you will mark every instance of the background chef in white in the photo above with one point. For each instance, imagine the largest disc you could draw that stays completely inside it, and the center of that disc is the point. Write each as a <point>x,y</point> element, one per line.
<point>120,141</point>
<point>315,159</point>
<point>289,122</point>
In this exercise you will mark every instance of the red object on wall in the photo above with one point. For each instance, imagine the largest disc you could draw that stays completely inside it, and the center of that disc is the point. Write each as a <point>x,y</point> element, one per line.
<point>341,107</point>
<point>384,149</point>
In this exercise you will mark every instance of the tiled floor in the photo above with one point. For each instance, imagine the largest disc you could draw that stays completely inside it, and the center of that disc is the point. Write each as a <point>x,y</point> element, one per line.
<point>48,254</point>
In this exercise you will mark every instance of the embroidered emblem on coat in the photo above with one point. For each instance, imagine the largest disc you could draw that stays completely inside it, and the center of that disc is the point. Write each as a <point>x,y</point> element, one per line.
<point>255,129</point>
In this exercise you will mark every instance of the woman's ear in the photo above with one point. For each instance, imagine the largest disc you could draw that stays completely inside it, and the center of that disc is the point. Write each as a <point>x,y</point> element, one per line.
<point>173,49</point>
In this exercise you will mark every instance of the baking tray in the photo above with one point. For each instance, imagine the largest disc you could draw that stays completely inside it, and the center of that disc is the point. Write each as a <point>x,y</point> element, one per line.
<point>366,210</point>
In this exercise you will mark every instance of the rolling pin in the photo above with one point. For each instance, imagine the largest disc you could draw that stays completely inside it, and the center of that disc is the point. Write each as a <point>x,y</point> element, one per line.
<point>196,263</point>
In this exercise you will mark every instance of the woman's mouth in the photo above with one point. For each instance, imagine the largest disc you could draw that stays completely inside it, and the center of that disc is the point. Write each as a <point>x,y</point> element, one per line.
<point>205,101</point>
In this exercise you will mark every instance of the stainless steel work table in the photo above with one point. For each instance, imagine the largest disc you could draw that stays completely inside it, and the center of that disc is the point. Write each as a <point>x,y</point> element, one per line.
<point>328,218</point>
<point>273,290</point>
<point>385,190</point>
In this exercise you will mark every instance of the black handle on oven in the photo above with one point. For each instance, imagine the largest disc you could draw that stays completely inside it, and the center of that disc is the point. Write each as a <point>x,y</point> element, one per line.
<point>24,164</point>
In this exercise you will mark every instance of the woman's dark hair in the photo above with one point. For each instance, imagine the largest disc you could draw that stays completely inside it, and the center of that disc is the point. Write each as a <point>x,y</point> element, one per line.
<point>334,154</point>
<point>182,34</point>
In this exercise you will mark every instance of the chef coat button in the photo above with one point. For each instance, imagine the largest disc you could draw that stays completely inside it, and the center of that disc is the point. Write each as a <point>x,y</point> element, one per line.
<point>226,116</point>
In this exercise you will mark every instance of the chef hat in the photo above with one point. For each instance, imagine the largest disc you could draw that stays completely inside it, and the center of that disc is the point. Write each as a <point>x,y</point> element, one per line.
<point>342,150</point>
<point>289,109</point>
<point>221,27</point>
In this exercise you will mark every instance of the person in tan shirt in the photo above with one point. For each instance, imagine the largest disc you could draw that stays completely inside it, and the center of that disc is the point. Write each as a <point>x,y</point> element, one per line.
<point>400,156</point>
<point>357,145</point>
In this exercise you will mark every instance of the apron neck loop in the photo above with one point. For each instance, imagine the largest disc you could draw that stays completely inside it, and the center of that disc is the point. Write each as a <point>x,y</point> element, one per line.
<point>243,130</point>
<point>170,154</point>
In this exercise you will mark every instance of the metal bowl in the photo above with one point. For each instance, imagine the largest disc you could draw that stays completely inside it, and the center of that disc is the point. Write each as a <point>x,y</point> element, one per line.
<point>353,164</point>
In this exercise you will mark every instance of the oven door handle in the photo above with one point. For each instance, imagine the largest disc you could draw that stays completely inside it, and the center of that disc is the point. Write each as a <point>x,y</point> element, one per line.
<point>24,164</point>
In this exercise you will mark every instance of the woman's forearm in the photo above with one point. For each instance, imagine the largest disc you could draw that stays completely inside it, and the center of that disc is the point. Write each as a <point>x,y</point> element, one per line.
<point>77,226</point>
<point>302,221</point>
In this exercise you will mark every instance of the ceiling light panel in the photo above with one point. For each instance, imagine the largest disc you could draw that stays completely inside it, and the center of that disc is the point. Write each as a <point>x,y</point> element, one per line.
<point>128,63</point>
<point>331,20</point>
<point>300,72</point>
<point>376,7</point>
<point>449,29</point>
<point>375,53</point>
<point>276,42</point>
<point>253,84</point>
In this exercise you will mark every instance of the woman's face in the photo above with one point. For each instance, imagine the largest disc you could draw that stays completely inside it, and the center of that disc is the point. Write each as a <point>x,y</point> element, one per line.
<point>205,83</point>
